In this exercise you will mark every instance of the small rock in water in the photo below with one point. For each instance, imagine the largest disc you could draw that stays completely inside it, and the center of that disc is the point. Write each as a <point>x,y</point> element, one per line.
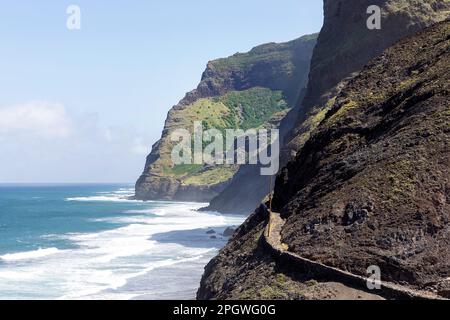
<point>213,237</point>
<point>210,232</point>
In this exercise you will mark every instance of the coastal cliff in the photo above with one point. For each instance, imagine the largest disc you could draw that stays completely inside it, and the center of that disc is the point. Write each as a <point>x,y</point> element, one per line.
<point>344,46</point>
<point>370,184</point>
<point>247,90</point>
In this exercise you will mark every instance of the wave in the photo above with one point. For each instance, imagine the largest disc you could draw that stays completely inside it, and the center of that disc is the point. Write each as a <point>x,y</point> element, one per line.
<point>116,282</point>
<point>36,254</point>
<point>109,198</point>
<point>120,195</point>
<point>109,259</point>
<point>124,191</point>
<point>173,209</point>
<point>102,264</point>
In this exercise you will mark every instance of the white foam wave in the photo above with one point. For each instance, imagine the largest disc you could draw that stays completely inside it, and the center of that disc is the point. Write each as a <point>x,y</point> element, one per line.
<point>124,191</point>
<point>17,275</point>
<point>29,254</point>
<point>109,198</point>
<point>103,262</point>
<point>120,195</point>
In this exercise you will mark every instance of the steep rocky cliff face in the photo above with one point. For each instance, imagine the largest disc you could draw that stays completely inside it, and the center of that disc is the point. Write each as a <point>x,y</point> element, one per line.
<point>352,44</point>
<point>249,90</point>
<point>371,186</point>
<point>346,34</point>
<point>344,46</point>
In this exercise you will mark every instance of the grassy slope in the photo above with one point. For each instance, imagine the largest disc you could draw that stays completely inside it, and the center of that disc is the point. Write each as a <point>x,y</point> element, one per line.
<point>253,108</point>
<point>267,52</point>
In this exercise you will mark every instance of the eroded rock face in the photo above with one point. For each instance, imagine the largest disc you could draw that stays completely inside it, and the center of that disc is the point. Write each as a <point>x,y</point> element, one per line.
<point>370,187</point>
<point>345,34</point>
<point>344,46</point>
<point>268,68</point>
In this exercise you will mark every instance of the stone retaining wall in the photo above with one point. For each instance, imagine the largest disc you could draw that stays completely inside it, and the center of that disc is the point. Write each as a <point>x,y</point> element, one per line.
<point>272,241</point>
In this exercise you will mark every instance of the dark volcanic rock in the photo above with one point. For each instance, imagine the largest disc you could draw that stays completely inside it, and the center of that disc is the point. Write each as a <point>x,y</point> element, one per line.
<point>353,45</point>
<point>377,169</point>
<point>345,35</point>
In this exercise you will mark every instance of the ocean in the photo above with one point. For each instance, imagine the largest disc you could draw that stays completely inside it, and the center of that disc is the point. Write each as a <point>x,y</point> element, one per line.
<point>92,242</point>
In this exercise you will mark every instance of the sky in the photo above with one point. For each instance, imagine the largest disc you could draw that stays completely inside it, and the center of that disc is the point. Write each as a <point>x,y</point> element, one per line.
<point>86,105</point>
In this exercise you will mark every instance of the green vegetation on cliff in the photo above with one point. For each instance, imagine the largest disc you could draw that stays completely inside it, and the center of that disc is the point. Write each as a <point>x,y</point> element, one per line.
<point>252,108</point>
<point>265,53</point>
<point>244,91</point>
<point>248,109</point>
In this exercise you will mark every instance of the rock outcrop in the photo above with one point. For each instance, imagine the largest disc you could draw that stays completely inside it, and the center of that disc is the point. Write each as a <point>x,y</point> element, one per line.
<point>370,185</point>
<point>245,90</point>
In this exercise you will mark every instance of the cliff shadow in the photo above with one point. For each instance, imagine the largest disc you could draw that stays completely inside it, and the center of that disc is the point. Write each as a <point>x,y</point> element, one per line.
<point>195,238</point>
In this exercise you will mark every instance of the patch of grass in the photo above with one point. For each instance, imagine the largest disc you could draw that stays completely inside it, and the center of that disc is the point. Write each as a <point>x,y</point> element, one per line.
<point>407,82</point>
<point>269,52</point>
<point>280,278</point>
<point>208,111</point>
<point>235,110</point>
<point>316,117</point>
<point>405,6</point>
<point>211,176</point>
<point>401,178</point>
<point>273,293</point>
<point>182,170</point>
<point>280,288</point>
<point>342,111</point>
<point>311,283</point>
<point>252,108</point>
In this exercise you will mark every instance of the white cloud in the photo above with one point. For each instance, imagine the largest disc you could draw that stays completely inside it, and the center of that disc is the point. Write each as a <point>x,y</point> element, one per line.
<point>39,118</point>
<point>65,146</point>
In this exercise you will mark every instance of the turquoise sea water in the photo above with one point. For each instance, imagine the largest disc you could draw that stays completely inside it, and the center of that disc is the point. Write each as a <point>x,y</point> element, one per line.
<point>92,242</point>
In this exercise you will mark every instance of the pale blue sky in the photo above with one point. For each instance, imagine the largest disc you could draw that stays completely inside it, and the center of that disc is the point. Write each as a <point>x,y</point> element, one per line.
<point>112,82</point>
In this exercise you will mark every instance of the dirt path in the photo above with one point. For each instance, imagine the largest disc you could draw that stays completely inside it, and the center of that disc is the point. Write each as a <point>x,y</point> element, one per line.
<point>272,240</point>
